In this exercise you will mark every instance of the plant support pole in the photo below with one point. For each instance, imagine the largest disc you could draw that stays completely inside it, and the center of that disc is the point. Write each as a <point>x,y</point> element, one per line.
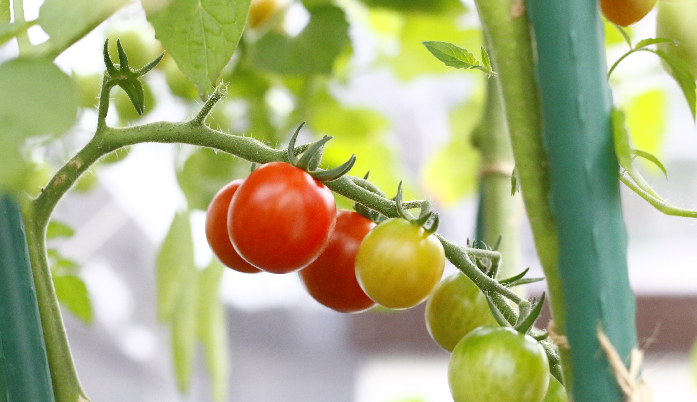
<point>23,362</point>
<point>585,198</point>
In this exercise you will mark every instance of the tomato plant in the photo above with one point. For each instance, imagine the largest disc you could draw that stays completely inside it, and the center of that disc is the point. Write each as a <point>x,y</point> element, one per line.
<point>217,233</point>
<point>555,391</point>
<point>455,308</point>
<point>399,263</point>
<point>280,219</point>
<point>331,278</point>
<point>498,364</point>
<point>626,12</point>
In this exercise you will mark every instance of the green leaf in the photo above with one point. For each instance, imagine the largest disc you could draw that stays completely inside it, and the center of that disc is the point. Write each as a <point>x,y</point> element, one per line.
<point>680,71</point>
<point>413,60</point>
<point>653,41</point>
<point>72,292</point>
<point>622,148</point>
<point>37,98</point>
<point>212,329</point>
<point>424,6</point>
<point>651,158</point>
<point>174,264</point>
<point>457,57</point>
<point>58,229</point>
<point>5,13</point>
<point>313,51</point>
<point>646,121</point>
<point>184,330</point>
<point>205,172</point>
<point>201,35</point>
<point>68,21</point>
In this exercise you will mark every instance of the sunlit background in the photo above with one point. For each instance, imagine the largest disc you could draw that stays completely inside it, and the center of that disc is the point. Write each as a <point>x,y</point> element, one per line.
<point>283,345</point>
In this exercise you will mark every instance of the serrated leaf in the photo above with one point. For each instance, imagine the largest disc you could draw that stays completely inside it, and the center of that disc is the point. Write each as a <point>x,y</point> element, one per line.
<point>651,158</point>
<point>653,41</point>
<point>58,229</point>
<point>485,59</point>
<point>184,330</point>
<point>174,264</point>
<point>201,35</point>
<point>680,71</point>
<point>621,138</point>
<point>313,51</point>
<point>451,55</point>
<point>72,293</point>
<point>68,21</point>
<point>212,329</point>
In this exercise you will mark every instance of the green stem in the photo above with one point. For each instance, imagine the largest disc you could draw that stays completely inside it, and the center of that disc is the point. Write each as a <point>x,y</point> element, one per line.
<point>23,41</point>
<point>507,30</point>
<point>656,202</point>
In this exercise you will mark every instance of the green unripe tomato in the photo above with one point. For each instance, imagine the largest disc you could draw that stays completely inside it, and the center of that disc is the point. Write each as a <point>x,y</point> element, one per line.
<point>455,308</point>
<point>555,392</point>
<point>498,364</point>
<point>88,88</point>
<point>676,20</point>
<point>124,107</point>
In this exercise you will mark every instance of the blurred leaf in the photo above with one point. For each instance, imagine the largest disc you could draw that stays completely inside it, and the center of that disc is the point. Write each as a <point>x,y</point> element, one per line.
<point>118,155</point>
<point>328,116</point>
<point>68,21</point>
<point>623,149</point>
<point>413,59</point>
<point>174,264</point>
<point>58,229</point>
<point>201,35</point>
<point>37,98</point>
<point>312,51</point>
<point>5,13</point>
<point>646,121</point>
<point>452,171</point>
<point>205,172</point>
<point>184,329</point>
<point>426,6</point>
<point>253,86</point>
<point>72,292</point>
<point>680,70</point>
<point>9,31</point>
<point>615,35</point>
<point>212,329</point>
<point>178,82</point>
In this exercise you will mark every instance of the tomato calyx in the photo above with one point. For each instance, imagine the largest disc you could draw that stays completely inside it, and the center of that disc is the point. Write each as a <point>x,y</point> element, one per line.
<point>309,161</point>
<point>126,77</point>
<point>427,219</point>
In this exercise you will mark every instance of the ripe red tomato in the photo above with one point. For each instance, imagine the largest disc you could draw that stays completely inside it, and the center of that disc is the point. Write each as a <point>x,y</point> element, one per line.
<point>216,230</point>
<point>626,12</point>
<point>399,263</point>
<point>331,278</point>
<point>498,364</point>
<point>455,308</point>
<point>280,219</point>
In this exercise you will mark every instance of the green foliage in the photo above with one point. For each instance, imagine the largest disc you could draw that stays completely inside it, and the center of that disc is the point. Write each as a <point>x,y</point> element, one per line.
<point>174,263</point>
<point>426,6</point>
<point>138,42</point>
<point>38,98</point>
<point>5,13</point>
<point>313,51</point>
<point>68,21</point>
<point>646,120</point>
<point>58,229</point>
<point>72,292</point>
<point>457,57</point>
<point>413,60</point>
<point>200,35</point>
<point>9,31</point>
<point>680,70</point>
<point>205,172</point>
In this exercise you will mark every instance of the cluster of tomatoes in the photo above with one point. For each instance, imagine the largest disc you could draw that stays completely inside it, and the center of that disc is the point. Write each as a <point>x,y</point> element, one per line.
<point>281,220</point>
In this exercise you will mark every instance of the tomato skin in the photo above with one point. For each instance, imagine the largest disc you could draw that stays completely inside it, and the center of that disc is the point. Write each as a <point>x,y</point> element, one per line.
<point>555,392</point>
<point>399,263</point>
<point>626,12</point>
<point>331,278</point>
<point>498,364</point>
<point>455,308</point>
<point>217,233</point>
<point>280,219</point>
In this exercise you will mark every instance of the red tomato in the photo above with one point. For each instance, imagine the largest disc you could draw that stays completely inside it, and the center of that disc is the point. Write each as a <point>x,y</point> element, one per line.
<point>626,12</point>
<point>280,218</point>
<point>216,230</point>
<point>331,278</point>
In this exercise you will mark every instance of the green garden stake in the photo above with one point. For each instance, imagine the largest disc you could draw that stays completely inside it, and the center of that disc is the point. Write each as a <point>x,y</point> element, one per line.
<point>585,199</point>
<point>24,371</point>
